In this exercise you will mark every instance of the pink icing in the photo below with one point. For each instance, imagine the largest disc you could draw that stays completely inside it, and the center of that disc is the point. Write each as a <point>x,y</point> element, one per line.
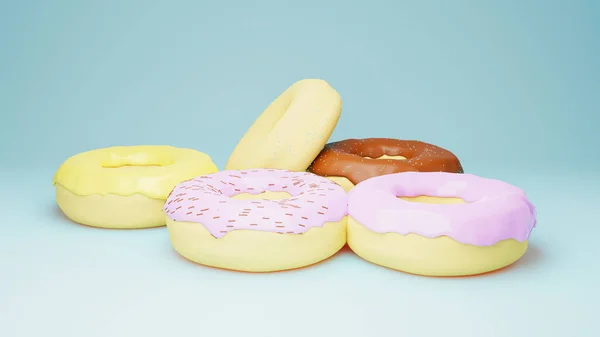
<point>206,199</point>
<point>494,211</point>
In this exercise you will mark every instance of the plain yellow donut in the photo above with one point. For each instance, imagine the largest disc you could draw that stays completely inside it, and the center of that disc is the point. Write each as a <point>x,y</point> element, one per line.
<point>256,251</point>
<point>293,129</point>
<point>440,256</point>
<point>125,186</point>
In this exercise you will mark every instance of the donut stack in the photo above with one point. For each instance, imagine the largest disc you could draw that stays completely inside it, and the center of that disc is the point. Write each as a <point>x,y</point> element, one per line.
<point>288,199</point>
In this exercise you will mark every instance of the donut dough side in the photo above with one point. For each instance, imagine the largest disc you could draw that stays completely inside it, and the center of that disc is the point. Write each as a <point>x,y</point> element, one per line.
<point>111,210</point>
<point>256,251</point>
<point>440,256</point>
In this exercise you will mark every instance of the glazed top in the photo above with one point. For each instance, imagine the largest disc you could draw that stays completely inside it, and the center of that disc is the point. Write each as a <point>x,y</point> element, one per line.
<point>149,170</point>
<point>347,158</point>
<point>207,200</point>
<point>494,210</point>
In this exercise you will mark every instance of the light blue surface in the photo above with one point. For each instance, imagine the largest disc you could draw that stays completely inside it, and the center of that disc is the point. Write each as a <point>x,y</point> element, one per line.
<point>511,87</point>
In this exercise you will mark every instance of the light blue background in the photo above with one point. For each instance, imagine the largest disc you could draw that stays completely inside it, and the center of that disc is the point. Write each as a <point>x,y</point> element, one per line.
<point>511,87</point>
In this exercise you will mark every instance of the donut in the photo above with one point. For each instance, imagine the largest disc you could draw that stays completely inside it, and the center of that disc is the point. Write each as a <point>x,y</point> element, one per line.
<point>439,223</point>
<point>124,186</point>
<point>291,131</point>
<point>350,161</point>
<point>237,219</point>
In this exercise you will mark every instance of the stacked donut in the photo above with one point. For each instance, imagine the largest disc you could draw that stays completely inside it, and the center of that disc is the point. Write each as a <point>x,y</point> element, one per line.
<point>287,199</point>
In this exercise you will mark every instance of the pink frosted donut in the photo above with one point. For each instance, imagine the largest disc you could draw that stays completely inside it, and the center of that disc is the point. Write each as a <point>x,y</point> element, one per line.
<point>437,223</point>
<point>226,220</point>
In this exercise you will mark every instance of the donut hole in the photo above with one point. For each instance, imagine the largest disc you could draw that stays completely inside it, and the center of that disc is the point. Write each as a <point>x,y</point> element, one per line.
<point>266,195</point>
<point>427,199</point>
<point>137,160</point>
<point>271,116</point>
<point>387,157</point>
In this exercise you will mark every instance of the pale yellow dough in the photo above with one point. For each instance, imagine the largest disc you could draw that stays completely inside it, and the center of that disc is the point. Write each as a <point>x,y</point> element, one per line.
<point>292,130</point>
<point>347,185</point>
<point>440,256</point>
<point>111,210</point>
<point>256,251</point>
<point>125,186</point>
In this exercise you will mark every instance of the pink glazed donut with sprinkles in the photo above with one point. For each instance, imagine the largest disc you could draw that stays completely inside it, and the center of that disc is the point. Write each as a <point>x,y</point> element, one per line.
<point>257,220</point>
<point>439,224</point>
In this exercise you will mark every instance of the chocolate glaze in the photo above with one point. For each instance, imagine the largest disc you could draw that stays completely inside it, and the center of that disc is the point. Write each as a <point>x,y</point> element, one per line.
<point>346,158</point>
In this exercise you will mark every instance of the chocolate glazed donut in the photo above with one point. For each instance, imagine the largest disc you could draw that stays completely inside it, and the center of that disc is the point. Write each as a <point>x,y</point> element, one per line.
<point>356,159</point>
